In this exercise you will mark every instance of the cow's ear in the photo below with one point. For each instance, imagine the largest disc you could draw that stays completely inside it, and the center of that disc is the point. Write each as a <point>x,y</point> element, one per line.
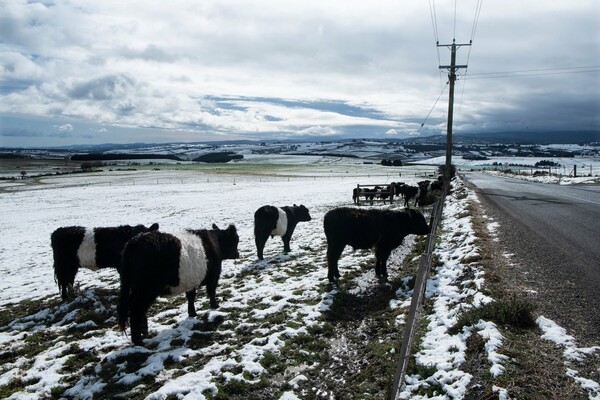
<point>154,227</point>
<point>232,228</point>
<point>295,205</point>
<point>215,226</point>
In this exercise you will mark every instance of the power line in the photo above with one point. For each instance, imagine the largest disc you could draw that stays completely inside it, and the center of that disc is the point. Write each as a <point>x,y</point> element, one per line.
<point>434,104</point>
<point>535,72</point>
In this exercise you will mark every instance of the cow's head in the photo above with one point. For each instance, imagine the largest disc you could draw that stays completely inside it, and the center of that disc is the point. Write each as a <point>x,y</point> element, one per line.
<point>301,213</point>
<point>418,223</point>
<point>142,228</point>
<point>228,242</point>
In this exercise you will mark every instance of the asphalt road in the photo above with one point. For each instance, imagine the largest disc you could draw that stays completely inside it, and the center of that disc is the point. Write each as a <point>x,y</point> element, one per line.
<point>554,233</point>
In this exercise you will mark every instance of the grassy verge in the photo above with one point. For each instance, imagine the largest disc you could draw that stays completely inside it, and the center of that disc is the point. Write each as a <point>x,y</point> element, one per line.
<point>535,368</point>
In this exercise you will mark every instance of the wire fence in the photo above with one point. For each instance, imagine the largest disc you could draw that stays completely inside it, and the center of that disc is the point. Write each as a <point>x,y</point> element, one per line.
<point>417,297</point>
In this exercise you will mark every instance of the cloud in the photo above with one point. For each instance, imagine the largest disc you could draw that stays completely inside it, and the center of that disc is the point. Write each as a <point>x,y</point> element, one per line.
<point>64,127</point>
<point>266,68</point>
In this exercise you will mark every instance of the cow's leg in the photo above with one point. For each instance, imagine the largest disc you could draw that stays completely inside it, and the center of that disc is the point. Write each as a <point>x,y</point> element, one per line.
<point>286,244</point>
<point>65,275</point>
<point>211,281</point>
<point>334,251</point>
<point>287,237</point>
<point>211,289</point>
<point>136,318</point>
<point>260,238</point>
<point>382,253</point>
<point>139,305</point>
<point>191,297</point>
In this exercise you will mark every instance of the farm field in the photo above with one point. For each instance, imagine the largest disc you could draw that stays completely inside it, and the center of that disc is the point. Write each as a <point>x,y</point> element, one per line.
<point>281,332</point>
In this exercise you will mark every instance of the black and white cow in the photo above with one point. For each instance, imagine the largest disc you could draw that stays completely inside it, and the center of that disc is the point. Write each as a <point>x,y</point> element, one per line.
<point>276,221</point>
<point>162,264</point>
<point>93,248</point>
<point>381,230</point>
<point>411,192</point>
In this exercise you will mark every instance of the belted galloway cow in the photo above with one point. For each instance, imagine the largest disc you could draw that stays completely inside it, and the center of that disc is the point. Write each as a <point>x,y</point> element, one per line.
<point>74,247</point>
<point>162,264</point>
<point>276,221</point>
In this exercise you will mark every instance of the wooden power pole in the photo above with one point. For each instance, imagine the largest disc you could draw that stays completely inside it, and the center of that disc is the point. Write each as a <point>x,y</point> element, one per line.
<point>452,68</point>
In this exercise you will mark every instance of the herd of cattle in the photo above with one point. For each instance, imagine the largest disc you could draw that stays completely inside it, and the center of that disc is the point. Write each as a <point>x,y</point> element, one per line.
<point>423,193</point>
<point>152,263</point>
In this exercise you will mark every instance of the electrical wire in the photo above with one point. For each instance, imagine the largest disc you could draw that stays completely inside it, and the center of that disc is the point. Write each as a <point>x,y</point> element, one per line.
<point>434,104</point>
<point>535,72</point>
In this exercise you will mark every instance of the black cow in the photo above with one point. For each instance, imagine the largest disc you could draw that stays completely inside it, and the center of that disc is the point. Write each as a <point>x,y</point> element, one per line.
<point>382,230</point>
<point>76,246</point>
<point>275,221</point>
<point>356,193</point>
<point>398,188</point>
<point>161,264</point>
<point>369,194</point>
<point>411,192</point>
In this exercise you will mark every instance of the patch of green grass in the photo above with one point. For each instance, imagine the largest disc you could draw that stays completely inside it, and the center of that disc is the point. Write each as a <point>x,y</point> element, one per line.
<point>511,312</point>
<point>27,307</point>
<point>79,359</point>
<point>199,340</point>
<point>326,329</point>
<point>16,385</point>
<point>239,389</point>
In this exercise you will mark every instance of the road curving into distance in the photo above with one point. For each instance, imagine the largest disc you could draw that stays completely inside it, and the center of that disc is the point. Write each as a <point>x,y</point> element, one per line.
<point>554,233</point>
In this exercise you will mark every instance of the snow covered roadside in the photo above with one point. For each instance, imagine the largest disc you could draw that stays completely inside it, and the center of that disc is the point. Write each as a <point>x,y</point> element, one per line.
<point>565,180</point>
<point>455,285</point>
<point>558,335</point>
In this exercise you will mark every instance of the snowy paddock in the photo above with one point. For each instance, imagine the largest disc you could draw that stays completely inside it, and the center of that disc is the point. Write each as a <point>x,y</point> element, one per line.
<point>262,302</point>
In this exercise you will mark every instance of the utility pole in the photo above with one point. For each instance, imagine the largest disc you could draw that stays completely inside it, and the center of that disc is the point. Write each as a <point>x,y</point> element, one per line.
<point>452,68</point>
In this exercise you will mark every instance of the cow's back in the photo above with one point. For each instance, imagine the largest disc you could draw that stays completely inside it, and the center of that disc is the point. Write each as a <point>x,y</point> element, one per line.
<point>358,228</point>
<point>67,238</point>
<point>152,260</point>
<point>265,218</point>
<point>110,243</point>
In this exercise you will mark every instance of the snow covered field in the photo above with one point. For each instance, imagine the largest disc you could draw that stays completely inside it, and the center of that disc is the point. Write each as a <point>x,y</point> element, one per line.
<point>74,350</point>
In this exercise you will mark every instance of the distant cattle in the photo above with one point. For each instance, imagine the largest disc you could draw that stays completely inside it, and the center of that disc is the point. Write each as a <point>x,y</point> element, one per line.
<point>275,221</point>
<point>161,264</point>
<point>398,188</point>
<point>93,248</point>
<point>370,194</point>
<point>381,230</point>
<point>429,191</point>
<point>411,192</point>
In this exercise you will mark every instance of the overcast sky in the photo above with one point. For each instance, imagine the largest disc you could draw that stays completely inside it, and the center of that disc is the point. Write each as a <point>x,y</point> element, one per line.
<point>90,71</point>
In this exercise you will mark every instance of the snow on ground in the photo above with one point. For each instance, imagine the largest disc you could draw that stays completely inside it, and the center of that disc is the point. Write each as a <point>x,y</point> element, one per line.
<point>263,303</point>
<point>254,293</point>
<point>571,353</point>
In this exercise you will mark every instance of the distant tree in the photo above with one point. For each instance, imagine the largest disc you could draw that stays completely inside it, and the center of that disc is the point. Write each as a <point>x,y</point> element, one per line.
<point>397,163</point>
<point>23,174</point>
<point>86,166</point>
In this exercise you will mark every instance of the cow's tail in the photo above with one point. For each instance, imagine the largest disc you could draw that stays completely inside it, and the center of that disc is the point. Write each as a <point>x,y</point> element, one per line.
<point>123,307</point>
